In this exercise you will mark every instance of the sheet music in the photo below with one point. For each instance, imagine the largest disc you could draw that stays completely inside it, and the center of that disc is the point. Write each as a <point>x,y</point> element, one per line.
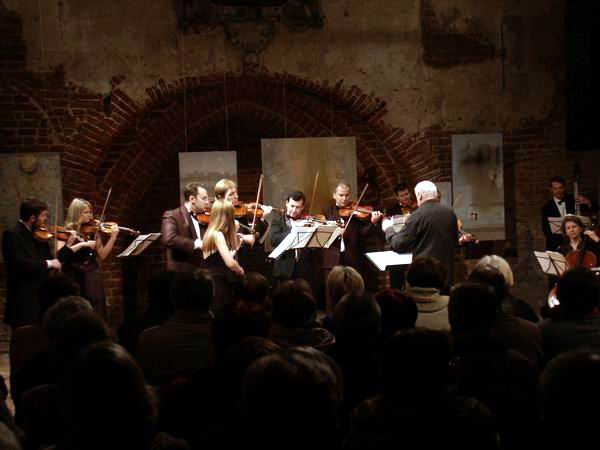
<point>552,263</point>
<point>307,237</point>
<point>383,260</point>
<point>555,224</point>
<point>398,222</point>
<point>139,244</point>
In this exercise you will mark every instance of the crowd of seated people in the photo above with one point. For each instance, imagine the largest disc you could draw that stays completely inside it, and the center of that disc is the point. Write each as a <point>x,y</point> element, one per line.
<point>472,369</point>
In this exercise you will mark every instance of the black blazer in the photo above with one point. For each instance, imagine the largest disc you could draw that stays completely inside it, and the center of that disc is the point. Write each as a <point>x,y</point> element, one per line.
<point>26,267</point>
<point>286,266</point>
<point>431,230</point>
<point>551,210</point>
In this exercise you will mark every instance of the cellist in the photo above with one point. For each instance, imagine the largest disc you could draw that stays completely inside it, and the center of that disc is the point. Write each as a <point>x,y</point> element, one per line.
<point>574,233</point>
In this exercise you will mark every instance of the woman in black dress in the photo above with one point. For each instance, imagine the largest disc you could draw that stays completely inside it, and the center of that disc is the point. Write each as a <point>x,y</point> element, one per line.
<point>81,261</point>
<point>220,245</point>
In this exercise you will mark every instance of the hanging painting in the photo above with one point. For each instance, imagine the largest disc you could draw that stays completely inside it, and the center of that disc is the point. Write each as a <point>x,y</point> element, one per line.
<point>291,164</point>
<point>478,184</point>
<point>206,168</point>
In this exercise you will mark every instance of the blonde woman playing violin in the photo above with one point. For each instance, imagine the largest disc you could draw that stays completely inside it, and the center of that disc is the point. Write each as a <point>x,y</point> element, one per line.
<point>81,254</point>
<point>219,247</point>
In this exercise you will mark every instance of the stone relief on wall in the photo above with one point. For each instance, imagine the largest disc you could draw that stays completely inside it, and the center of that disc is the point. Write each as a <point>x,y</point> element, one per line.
<point>249,25</point>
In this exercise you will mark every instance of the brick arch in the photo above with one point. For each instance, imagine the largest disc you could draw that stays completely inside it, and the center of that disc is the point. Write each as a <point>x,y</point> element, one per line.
<point>150,135</point>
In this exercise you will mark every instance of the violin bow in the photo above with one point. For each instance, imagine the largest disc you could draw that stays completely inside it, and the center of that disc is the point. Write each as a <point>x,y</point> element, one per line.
<point>312,198</point>
<point>103,211</point>
<point>355,207</point>
<point>260,183</point>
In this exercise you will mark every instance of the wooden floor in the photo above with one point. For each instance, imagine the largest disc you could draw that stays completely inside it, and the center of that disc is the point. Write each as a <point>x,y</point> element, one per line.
<point>4,369</point>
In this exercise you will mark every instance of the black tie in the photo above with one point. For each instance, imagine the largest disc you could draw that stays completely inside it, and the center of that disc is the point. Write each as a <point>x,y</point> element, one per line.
<point>560,202</point>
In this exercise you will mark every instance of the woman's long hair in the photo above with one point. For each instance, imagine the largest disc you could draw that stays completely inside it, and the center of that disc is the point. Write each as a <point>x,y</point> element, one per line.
<point>73,220</point>
<point>221,219</point>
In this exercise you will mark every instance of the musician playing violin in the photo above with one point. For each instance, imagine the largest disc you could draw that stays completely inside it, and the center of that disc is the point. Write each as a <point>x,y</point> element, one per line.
<point>82,252</point>
<point>347,250</point>
<point>574,234</point>
<point>181,231</point>
<point>404,203</point>
<point>28,262</point>
<point>297,263</point>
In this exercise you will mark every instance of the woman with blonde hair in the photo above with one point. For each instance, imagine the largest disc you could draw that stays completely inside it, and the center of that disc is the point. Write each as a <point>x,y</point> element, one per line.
<point>81,254</point>
<point>219,246</point>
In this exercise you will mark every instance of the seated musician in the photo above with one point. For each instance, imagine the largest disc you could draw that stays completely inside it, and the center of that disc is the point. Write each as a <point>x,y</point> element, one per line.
<point>574,233</point>
<point>297,263</point>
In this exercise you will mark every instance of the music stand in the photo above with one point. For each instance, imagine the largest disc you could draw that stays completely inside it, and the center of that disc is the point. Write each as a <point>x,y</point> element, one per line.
<point>389,258</point>
<point>552,263</point>
<point>307,237</point>
<point>138,245</point>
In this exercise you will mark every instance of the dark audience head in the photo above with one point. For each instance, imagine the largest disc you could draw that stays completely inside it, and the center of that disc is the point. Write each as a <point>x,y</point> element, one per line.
<point>108,402</point>
<point>357,318</point>
<point>426,272</point>
<point>398,311</point>
<point>74,335</point>
<point>415,364</point>
<point>64,308</point>
<point>293,304</point>
<point>159,294</point>
<point>238,358</point>
<point>55,287</point>
<point>472,308</point>
<point>254,288</point>
<point>8,439</point>
<point>193,290</point>
<point>235,322</point>
<point>297,392</point>
<point>570,395</point>
<point>578,292</point>
<point>493,278</point>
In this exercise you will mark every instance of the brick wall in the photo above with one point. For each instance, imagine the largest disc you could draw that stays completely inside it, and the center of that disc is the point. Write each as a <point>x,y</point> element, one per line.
<point>132,145</point>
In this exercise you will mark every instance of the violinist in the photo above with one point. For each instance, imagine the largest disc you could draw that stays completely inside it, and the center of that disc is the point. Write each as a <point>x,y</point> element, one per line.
<point>404,203</point>
<point>347,250</point>
<point>182,233</point>
<point>81,262</point>
<point>227,190</point>
<point>297,263</point>
<point>220,244</point>
<point>574,235</point>
<point>28,262</point>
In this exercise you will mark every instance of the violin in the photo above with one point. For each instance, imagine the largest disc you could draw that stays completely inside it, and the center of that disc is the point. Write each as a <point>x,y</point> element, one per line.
<point>411,207</point>
<point>95,226</point>
<point>47,233</point>
<point>362,212</point>
<point>248,210</point>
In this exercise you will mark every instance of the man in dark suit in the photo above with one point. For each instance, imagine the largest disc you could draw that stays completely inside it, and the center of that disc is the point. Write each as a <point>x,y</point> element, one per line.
<point>347,250</point>
<point>182,233</point>
<point>560,205</point>
<point>292,263</point>
<point>27,263</point>
<point>431,230</point>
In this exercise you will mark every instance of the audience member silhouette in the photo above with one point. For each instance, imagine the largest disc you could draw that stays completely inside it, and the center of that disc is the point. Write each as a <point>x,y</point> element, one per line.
<point>398,311</point>
<point>159,309</point>
<point>182,345</point>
